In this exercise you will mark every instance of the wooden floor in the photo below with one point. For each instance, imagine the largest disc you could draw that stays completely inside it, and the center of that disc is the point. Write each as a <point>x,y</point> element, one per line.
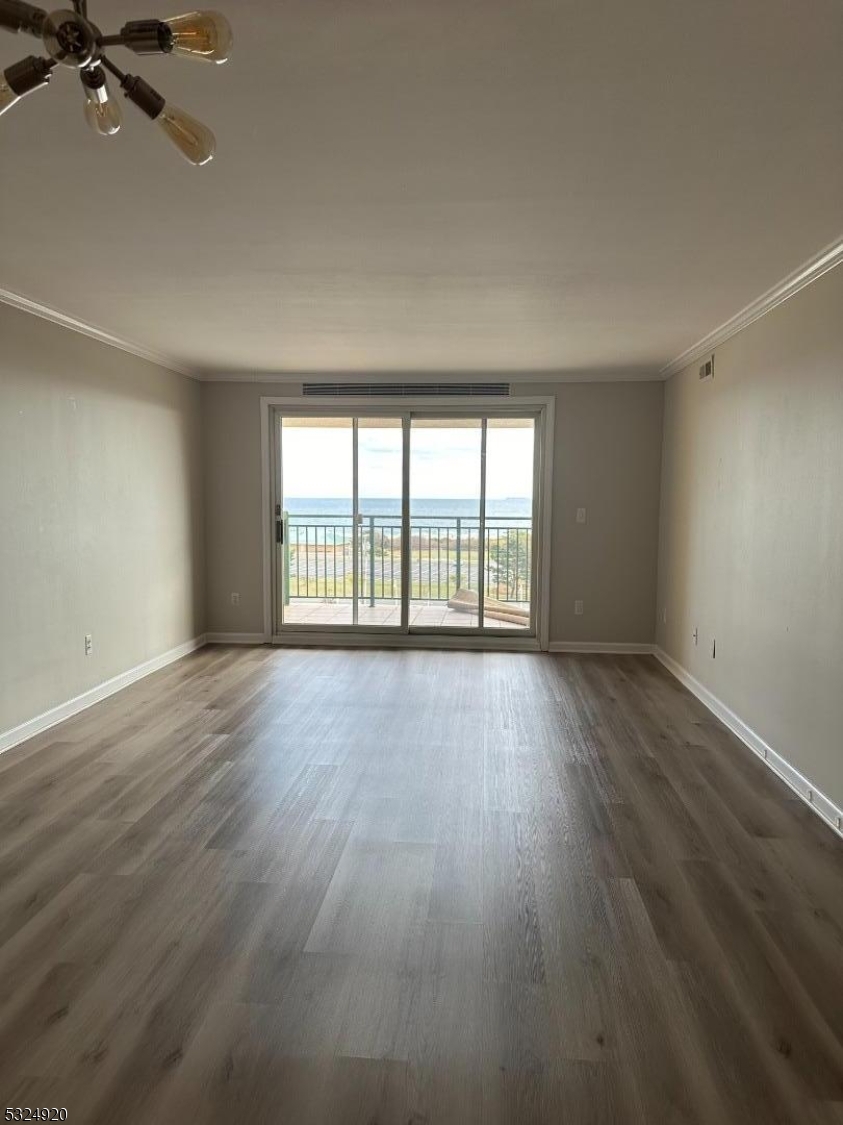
<point>375,887</point>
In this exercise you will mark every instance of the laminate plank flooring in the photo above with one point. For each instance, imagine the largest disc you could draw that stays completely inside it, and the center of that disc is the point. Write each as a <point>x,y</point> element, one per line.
<point>392,888</point>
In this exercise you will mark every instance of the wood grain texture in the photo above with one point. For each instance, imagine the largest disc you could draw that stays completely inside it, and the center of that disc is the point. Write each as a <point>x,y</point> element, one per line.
<point>335,887</point>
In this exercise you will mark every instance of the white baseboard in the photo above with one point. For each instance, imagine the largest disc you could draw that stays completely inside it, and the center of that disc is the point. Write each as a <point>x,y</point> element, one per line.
<point>609,647</point>
<point>235,639</point>
<point>823,806</point>
<point>63,711</point>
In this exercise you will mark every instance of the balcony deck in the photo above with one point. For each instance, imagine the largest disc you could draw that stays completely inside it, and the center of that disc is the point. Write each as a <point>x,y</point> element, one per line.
<point>436,615</point>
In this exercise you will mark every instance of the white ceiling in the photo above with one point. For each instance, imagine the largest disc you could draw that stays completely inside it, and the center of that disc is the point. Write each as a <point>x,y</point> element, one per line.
<point>440,185</point>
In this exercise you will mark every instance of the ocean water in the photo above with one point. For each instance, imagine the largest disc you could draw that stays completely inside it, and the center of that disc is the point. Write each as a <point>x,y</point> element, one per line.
<point>514,510</point>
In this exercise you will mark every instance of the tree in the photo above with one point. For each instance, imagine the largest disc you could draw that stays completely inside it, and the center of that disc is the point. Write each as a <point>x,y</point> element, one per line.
<point>509,564</point>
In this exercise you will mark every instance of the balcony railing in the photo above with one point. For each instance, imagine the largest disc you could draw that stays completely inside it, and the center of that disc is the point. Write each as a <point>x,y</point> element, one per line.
<point>444,557</point>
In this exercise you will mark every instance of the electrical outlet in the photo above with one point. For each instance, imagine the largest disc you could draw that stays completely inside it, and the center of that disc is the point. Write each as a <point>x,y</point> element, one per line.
<point>580,515</point>
<point>89,644</point>
<point>235,599</point>
<point>579,608</point>
<point>696,635</point>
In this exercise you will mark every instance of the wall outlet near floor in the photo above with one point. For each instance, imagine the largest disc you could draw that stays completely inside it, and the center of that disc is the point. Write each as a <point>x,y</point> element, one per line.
<point>580,515</point>
<point>235,599</point>
<point>89,644</point>
<point>579,607</point>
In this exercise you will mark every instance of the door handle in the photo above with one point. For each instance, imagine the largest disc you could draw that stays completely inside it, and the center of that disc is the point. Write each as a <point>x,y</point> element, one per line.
<point>279,531</point>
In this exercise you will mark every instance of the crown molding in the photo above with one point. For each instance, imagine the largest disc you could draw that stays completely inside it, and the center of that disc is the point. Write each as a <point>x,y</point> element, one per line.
<point>811,271</point>
<point>45,312</point>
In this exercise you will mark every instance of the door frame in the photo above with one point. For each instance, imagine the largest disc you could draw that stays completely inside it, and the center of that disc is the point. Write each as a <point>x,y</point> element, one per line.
<point>543,407</point>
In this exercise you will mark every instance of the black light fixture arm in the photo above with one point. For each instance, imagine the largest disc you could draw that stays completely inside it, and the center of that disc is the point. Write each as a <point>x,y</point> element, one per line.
<point>147,37</point>
<point>144,37</point>
<point>144,96</point>
<point>115,70</point>
<point>16,16</point>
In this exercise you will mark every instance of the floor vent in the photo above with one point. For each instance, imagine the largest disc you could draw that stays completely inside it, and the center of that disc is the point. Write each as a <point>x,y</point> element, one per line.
<point>404,390</point>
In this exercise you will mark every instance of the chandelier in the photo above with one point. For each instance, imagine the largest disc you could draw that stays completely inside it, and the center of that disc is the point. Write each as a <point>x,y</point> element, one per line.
<point>71,39</point>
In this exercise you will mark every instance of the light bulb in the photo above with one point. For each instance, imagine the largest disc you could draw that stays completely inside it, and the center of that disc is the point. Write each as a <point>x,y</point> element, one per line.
<point>8,97</point>
<point>194,140</point>
<point>201,35</point>
<point>102,112</point>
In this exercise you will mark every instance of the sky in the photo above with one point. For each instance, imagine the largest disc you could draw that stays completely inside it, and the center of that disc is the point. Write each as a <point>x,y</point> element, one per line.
<point>444,464</point>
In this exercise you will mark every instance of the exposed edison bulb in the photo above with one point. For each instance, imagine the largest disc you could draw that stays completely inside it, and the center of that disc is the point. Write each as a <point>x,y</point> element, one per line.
<point>8,97</point>
<point>201,35</point>
<point>102,112</point>
<point>194,140</point>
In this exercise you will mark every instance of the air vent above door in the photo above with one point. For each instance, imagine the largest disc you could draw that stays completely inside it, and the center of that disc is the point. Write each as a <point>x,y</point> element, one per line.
<point>404,390</point>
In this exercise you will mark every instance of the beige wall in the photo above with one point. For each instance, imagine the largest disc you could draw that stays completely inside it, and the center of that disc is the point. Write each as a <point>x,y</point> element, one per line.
<point>100,513</point>
<point>607,459</point>
<point>751,547</point>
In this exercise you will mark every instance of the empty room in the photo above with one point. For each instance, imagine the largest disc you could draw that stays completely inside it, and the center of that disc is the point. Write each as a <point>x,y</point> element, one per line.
<point>421,563</point>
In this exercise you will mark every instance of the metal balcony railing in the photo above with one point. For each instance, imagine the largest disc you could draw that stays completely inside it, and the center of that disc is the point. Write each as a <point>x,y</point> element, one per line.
<point>444,557</point>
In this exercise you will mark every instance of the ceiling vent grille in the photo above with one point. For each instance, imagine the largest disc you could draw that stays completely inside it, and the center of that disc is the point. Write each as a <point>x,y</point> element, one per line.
<point>403,390</point>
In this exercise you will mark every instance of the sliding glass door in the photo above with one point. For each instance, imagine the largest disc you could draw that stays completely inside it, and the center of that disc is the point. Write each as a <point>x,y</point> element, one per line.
<point>405,523</point>
<point>338,517</point>
<point>314,524</point>
<point>471,523</point>
<point>380,484</point>
<point>446,485</point>
<point>509,525</point>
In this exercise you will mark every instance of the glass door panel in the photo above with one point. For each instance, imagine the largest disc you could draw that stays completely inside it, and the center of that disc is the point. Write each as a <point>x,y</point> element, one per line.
<point>446,533</point>
<point>315,561</point>
<point>338,542</point>
<point>380,483</point>
<point>509,496</point>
